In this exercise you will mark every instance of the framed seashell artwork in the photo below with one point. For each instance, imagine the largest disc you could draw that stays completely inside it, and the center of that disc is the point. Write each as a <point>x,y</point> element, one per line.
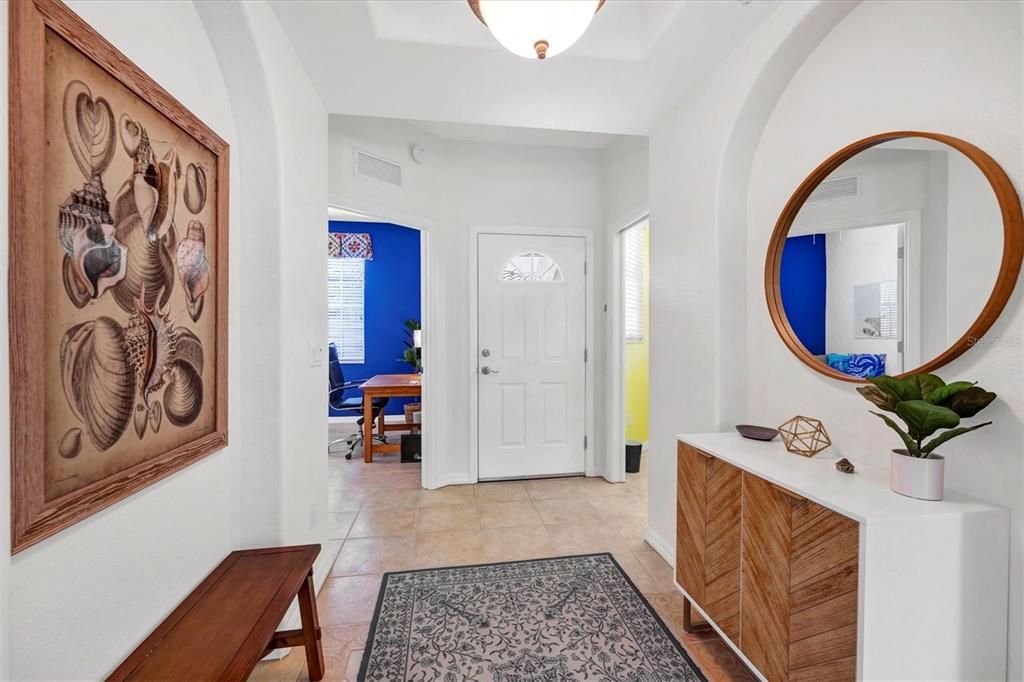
<point>118,276</point>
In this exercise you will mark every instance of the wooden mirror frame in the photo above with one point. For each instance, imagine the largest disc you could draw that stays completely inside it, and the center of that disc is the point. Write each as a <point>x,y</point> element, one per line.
<point>1009,268</point>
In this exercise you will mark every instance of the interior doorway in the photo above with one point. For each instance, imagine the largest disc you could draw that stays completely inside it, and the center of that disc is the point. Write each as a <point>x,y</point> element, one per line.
<point>636,338</point>
<point>376,346</point>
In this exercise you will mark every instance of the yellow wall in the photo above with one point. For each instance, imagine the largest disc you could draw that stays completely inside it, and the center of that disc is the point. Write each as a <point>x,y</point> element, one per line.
<point>637,361</point>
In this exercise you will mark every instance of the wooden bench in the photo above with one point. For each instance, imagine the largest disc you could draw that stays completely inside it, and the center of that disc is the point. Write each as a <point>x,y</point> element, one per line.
<point>229,622</point>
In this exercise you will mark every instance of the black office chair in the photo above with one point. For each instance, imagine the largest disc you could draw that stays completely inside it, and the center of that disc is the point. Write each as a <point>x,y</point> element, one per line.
<point>336,387</point>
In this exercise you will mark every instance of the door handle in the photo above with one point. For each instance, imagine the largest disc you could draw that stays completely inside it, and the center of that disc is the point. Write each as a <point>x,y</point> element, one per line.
<point>485,370</point>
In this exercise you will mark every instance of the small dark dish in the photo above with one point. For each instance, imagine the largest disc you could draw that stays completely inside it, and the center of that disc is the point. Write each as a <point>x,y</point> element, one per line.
<point>756,432</point>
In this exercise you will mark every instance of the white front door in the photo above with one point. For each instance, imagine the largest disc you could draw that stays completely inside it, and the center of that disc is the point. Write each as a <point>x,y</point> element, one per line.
<point>531,340</point>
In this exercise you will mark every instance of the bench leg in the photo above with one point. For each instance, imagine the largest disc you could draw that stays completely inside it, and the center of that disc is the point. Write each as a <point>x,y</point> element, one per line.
<point>310,630</point>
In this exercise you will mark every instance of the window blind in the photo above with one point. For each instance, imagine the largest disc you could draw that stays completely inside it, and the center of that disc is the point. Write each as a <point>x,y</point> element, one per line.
<point>633,281</point>
<point>346,278</point>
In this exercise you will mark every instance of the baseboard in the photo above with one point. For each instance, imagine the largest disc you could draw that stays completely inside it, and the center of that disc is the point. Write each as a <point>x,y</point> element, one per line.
<point>452,479</point>
<point>666,549</point>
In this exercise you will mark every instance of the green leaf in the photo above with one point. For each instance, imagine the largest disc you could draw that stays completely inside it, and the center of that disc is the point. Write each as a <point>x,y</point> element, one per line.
<point>901,389</point>
<point>926,384</point>
<point>907,440</point>
<point>970,402</point>
<point>879,398</point>
<point>940,396</point>
<point>923,419</point>
<point>949,435</point>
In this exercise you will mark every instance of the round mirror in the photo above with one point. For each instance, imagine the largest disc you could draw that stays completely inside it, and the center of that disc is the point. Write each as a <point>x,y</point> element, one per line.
<point>894,256</point>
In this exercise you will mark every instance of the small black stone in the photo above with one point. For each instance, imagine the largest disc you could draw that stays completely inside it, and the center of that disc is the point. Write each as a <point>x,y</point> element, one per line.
<point>845,465</point>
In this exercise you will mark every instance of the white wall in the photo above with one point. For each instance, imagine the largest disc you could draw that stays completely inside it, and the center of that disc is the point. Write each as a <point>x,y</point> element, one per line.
<point>81,600</point>
<point>904,65</point>
<point>747,138</point>
<point>461,186</point>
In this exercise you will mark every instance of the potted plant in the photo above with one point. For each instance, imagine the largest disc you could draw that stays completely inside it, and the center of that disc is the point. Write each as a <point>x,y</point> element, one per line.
<point>411,353</point>
<point>926,405</point>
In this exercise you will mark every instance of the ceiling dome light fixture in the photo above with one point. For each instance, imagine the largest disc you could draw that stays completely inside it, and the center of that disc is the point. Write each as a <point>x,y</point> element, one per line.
<point>536,29</point>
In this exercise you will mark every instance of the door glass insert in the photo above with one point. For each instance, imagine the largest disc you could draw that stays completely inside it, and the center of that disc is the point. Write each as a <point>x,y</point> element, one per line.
<point>531,266</point>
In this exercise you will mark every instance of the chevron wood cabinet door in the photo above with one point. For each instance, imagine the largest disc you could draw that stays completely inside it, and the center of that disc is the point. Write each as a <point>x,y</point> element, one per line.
<point>691,503</point>
<point>709,503</point>
<point>722,547</point>
<point>799,586</point>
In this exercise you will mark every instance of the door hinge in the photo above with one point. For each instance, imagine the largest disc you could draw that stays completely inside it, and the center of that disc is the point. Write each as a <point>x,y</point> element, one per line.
<point>584,267</point>
<point>586,355</point>
<point>584,442</point>
<point>899,252</point>
<point>899,346</point>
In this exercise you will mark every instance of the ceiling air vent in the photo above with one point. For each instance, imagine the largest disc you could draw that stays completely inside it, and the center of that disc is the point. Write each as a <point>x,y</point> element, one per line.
<point>839,188</point>
<point>370,167</point>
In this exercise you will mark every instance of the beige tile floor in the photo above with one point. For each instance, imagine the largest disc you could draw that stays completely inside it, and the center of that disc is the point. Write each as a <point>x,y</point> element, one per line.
<point>385,522</point>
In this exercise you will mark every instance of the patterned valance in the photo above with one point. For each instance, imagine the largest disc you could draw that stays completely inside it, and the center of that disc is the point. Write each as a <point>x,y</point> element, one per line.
<point>350,245</point>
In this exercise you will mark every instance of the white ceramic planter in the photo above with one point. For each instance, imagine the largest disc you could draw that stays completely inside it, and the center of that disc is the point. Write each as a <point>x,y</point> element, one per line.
<point>918,477</point>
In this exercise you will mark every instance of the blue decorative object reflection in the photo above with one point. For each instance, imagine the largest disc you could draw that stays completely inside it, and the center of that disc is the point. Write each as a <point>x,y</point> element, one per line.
<point>861,365</point>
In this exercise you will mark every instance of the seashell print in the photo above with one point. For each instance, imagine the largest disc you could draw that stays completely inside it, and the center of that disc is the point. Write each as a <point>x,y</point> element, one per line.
<point>149,270</point>
<point>183,397</point>
<point>139,420</point>
<point>71,443</point>
<point>78,294</point>
<point>95,260</point>
<point>195,188</point>
<point>132,135</point>
<point>156,414</point>
<point>98,383</point>
<point>168,174</point>
<point>84,208</point>
<point>193,268</point>
<point>89,128</point>
<point>149,342</point>
<point>188,348</point>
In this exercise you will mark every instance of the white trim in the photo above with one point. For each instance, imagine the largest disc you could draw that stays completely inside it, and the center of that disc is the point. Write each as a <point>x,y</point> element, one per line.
<point>615,418</point>
<point>472,258</point>
<point>667,550</point>
<point>429,291</point>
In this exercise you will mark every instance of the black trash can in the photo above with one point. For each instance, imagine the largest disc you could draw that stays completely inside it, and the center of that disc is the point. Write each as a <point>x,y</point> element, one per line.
<point>633,449</point>
<point>410,447</point>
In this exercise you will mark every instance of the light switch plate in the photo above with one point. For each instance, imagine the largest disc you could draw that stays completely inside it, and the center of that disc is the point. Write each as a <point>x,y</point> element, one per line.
<point>316,355</point>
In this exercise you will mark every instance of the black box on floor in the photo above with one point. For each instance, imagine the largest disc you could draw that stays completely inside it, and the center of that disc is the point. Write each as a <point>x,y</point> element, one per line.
<point>411,447</point>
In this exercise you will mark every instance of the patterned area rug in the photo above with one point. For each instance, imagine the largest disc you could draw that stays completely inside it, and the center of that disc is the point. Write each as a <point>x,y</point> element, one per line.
<point>567,618</point>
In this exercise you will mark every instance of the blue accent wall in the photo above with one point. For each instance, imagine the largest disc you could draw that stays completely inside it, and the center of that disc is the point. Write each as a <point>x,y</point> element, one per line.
<point>802,283</point>
<point>392,296</point>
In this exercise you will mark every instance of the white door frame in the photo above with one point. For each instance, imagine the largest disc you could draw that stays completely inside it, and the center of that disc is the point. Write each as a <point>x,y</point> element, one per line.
<point>428,297</point>
<point>615,419</point>
<point>911,267</point>
<point>474,397</point>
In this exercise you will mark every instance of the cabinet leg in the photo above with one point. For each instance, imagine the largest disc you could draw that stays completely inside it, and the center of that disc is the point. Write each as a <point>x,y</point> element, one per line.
<point>688,624</point>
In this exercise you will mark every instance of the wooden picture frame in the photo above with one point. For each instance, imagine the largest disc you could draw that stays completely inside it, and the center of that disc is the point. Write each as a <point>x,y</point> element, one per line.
<point>1009,267</point>
<point>46,41</point>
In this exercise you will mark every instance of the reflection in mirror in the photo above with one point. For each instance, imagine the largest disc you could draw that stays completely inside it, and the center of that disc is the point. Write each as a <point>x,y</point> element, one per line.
<point>892,258</point>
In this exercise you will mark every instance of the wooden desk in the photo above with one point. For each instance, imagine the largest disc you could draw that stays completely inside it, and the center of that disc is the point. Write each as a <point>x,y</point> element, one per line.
<point>229,622</point>
<point>385,386</point>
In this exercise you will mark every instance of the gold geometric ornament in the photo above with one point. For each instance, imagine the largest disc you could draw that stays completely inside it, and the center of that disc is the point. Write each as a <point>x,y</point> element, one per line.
<point>805,436</point>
